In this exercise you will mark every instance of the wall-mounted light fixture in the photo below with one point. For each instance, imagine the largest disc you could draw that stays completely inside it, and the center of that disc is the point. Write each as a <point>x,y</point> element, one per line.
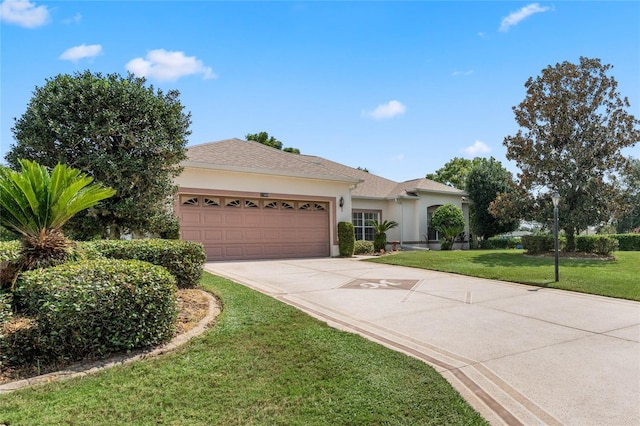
<point>341,203</point>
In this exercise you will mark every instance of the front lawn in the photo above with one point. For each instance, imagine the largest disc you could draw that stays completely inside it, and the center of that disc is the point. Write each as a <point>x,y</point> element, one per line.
<point>263,363</point>
<point>615,278</point>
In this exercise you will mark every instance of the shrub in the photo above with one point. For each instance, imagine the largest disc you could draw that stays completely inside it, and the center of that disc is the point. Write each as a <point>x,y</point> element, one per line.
<point>536,244</point>
<point>6,311</point>
<point>499,243</point>
<point>599,244</point>
<point>9,250</point>
<point>363,247</point>
<point>449,221</point>
<point>97,307</point>
<point>346,239</point>
<point>628,242</point>
<point>7,235</point>
<point>18,337</point>
<point>184,259</point>
<point>9,256</point>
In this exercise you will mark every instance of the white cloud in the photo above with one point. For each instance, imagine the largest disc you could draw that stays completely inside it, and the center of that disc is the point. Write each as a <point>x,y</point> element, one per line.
<point>83,51</point>
<point>164,65</point>
<point>478,147</point>
<point>74,20</point>
<point>388,110</point>
<point>515,17</point>
<point>459,73</point>
<point>23,13</point>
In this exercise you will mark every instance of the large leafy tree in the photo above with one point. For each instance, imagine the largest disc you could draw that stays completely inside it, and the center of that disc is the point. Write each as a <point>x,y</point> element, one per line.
<point>630,218</point>
<point>454,173</point>
<point>36,204</point>
<point>118,131</point>
<point>265,139</point>
<point>485,181</point>
<point>574,125</point>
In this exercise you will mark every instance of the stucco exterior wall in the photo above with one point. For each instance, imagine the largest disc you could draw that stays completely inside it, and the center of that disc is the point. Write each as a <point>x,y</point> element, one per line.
<point>411,214</point>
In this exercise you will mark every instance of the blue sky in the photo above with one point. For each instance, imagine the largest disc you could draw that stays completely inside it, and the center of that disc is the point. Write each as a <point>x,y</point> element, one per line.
<point>397,87</point>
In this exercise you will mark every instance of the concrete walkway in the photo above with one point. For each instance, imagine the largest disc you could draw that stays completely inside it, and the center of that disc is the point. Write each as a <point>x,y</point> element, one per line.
<point>518,354</point>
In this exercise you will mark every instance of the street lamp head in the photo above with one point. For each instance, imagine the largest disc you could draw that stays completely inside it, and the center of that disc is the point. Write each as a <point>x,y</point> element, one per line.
<point>555,198</point>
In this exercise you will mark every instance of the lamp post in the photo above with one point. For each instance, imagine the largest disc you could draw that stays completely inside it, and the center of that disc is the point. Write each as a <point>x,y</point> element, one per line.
<point>555,198</point>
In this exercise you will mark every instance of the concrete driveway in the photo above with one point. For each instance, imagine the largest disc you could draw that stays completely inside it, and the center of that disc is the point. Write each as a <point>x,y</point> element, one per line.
<point>518,354</point>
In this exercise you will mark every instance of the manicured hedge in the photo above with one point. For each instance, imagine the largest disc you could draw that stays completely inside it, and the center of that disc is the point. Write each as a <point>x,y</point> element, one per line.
<point>599,244</point>
<point>494,243</point>
<point>363,247</point>
<point>184,259</point>
<point>96,307</point>
<point>628,242</point>
<point>537,244</point>
<point>346,239</point>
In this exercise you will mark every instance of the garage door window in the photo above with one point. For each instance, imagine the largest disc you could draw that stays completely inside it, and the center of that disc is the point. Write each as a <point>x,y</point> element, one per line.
<point>187,200</point>
<point>212,202</point>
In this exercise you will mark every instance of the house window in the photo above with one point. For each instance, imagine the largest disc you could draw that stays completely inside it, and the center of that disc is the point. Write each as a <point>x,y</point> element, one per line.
<point>362,229</point>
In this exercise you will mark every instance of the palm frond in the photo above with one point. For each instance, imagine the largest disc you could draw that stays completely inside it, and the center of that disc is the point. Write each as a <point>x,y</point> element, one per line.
<point>34,200</point>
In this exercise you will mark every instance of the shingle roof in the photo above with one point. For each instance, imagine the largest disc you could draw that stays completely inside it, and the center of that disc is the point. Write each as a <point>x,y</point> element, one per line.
<point>253,157</point>
<point>423,184</point>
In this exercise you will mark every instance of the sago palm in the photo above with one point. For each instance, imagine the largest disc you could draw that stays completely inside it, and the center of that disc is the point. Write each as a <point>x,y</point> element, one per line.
<point>36,204</point>
<point>380,236</point>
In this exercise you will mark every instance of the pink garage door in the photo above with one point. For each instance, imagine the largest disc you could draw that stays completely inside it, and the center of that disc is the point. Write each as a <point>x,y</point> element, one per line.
<point>234,228</point>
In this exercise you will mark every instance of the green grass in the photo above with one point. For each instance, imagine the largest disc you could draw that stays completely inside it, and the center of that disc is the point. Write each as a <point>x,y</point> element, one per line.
<point>263,363</point>
<point>615,278</point>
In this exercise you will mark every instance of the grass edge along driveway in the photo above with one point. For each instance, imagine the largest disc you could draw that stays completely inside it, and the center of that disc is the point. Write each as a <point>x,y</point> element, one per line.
<point>614,278</point>
<point>263,363</point>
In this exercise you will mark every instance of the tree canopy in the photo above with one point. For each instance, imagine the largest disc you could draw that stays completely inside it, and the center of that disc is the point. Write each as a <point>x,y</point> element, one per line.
<point>574,125</point>
<point>485,181</point>
<point>118,131</point>
<point>630,218</point>
<point>454,173</point>
<point>265,139</point>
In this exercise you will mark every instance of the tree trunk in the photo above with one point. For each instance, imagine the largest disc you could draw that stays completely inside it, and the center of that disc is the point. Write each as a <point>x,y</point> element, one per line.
<point>571,239</point>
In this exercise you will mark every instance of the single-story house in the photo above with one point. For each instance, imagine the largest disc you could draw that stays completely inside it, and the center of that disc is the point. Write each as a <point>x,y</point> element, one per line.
<point>245,200</point>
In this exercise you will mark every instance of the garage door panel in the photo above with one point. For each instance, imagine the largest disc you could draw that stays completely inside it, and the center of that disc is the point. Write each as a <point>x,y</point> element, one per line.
<point>189,218</point>
<point>271,234</point>
<point>214,252</point>
<point>230,233</point>
<point>192,235</point>
<point>213,218</point>
<point>213,235</point>
<point>233,235</point>
<point>233,219</point>
<point>254,219</point>
<point>233,251</point>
